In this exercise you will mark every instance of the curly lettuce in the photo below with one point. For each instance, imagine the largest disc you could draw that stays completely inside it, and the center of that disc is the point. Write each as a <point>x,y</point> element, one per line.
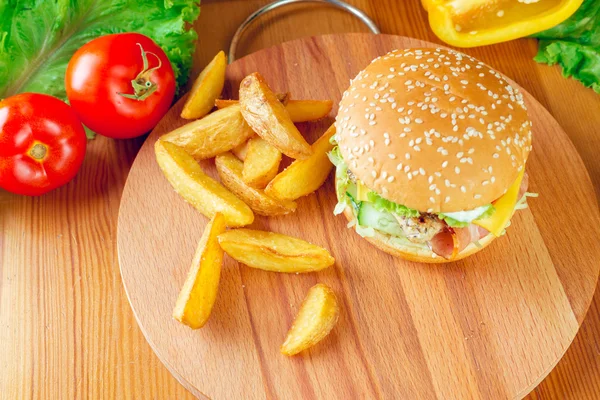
<point>38,37</point>
<point>382,204</point>
<point>575,45</point>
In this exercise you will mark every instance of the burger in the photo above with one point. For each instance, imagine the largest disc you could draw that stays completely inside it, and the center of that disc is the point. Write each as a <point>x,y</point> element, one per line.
<point>430,153</point>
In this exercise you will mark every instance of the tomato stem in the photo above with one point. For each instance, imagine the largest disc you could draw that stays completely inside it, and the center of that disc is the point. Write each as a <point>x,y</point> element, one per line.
<point>143,87</point>
<point>38,151</point>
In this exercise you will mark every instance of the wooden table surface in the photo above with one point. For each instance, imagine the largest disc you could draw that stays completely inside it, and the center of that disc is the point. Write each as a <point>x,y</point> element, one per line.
<point>66,328</point>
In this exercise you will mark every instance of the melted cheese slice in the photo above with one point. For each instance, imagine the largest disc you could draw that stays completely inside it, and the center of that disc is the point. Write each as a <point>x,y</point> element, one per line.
<point>504,206</point>
<point>362,192</point>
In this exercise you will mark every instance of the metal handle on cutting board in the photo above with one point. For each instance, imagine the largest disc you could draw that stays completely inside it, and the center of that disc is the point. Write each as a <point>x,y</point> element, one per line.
<point>280,3</point>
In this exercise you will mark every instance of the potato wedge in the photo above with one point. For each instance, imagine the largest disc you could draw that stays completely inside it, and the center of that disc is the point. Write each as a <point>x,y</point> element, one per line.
<point>269,118</point>
<point>299,110</point>
<point>230,172</point>
<point>303,177</point>
<point>283,98</point>
<point>317,316</point>
<point>261,163</point>
<point>199,292</point>
<point>224,103</point>
<point>241,150</point>
<point>308,110</point>
<point>207,87</point>
<point>214,134</point>
<point>274,252</point>
<point>197,188</point>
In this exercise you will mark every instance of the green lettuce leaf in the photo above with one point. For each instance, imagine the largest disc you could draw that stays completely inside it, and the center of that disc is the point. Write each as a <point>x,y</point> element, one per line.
<point>575,45</point>
<point>452,222</point>
<point>38,37</point>
<point>382,204</point>
<point>341,178</point>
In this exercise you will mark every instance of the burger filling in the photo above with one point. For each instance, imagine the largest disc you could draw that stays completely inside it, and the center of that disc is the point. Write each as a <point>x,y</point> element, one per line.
<point>445,234</point>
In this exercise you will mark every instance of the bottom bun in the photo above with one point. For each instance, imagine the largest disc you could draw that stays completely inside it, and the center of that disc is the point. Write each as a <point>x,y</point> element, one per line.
<point>415,251</point>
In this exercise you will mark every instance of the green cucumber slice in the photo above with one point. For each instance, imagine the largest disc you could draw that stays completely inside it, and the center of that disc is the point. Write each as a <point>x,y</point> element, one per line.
<point>380,220</point>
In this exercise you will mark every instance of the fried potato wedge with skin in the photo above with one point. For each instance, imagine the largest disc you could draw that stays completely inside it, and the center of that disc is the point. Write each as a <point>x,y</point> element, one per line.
<point>214,134</point>
<point>207,87</point>
<point>303,177</point>
<point>224,103</point>
<point>283,98</point>
<point>261,163</point>
<point>269,119</point>
<point>317,316</point>
<point>199,292</point>
<point>308,110</point>
<point>299,110</point>
<point>230,172</point>
<point>271,251</point>
<point>201,191</point>
<point>241,150</point>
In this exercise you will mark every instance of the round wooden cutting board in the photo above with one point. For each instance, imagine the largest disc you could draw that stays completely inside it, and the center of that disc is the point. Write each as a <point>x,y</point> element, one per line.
<point>491,326</point>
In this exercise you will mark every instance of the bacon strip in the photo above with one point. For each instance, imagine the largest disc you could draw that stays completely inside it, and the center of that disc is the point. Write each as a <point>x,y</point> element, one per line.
<point>524,185</point>
<point>449,242</point>
<point>443,244</point>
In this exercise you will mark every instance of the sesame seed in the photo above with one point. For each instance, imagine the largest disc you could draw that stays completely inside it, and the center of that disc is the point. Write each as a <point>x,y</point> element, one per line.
<point>418,120</point>
<point>390,179</point>
<point>422,171</point>
<point>384,174</point>
<point>457,170</point>
<point>417,148</point>
<point>447,199</point>
<point>407,156</point>
<point>431,199</point>
<point>477,196</point>
<point>374,174</point>
<point>399,166</point>
<point>463,189</point>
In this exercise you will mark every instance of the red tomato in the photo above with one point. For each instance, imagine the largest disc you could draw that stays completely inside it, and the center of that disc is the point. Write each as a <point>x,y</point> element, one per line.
<point>42,144</point>
<point>120,85</point>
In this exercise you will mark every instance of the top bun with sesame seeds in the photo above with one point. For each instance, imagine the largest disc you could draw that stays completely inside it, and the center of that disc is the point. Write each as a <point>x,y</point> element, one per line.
<point>434,130</point>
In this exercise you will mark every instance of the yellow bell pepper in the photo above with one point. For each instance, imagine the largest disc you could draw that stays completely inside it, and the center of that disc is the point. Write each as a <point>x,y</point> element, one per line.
<point>469,23</point>
<point>505,208</point>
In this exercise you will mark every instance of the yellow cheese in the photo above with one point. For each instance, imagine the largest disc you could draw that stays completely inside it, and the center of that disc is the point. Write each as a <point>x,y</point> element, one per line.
<point>504,206</point>
<point>362,192</point>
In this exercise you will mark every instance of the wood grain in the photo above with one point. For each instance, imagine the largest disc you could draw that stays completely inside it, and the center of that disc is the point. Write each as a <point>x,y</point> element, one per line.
<point>67,328</point>
<point>491,326</point>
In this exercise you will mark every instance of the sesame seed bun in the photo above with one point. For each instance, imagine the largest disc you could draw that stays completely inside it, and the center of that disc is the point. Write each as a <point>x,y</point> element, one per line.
<point>434,130</point>
<point>414,251</point>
